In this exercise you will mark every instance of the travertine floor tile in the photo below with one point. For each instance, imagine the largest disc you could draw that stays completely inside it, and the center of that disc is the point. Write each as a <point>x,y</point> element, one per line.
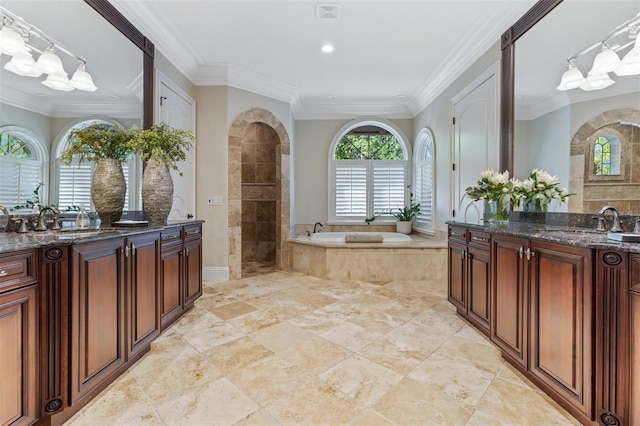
<point>173,380</point>
<point>232,310</point>
<point>236,354</point>
<point>281,336</point>
<point>124,402</point>
<point>361,379</point>
<point>287,349</point>
<point>413,403</point>
<point>507,403</point>
<point>315,403</point>
<point>219,402</point>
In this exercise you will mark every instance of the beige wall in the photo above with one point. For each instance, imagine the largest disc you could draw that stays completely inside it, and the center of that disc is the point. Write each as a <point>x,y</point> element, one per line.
<point>311,145</point>
<point>437,116</point>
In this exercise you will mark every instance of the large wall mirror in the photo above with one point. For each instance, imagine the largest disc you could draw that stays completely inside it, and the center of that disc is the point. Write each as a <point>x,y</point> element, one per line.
<point>120,60</point>
<point>589,138</point>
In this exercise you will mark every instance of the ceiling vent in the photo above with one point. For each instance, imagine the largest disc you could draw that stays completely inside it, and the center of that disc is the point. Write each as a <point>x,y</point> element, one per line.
<point>328,11</point>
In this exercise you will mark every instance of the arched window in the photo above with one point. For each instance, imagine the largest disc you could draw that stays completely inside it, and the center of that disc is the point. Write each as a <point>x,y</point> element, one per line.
<point>606,156</point>
<point>424,166</point>
<point>73,181</point>
<point>368,162</point>
<point>23,162</point>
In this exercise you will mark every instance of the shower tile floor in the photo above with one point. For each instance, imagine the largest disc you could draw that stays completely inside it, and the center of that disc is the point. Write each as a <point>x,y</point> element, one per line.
<point>289,349</point>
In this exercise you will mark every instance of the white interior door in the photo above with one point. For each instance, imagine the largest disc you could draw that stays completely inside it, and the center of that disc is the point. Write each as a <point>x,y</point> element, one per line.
<point>475,145</point>
<point>177,109</point>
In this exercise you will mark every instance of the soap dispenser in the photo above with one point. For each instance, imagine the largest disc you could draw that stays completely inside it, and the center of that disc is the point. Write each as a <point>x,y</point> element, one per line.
<point>82,220</point>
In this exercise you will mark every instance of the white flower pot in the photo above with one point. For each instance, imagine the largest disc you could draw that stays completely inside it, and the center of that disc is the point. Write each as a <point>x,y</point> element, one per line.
<point>404,227</point>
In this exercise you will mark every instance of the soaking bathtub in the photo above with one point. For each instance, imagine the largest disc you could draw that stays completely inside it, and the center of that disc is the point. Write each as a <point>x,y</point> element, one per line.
<point>399,257</point>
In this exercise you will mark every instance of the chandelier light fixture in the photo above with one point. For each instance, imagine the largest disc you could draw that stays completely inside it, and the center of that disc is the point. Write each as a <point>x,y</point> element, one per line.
<point>20,40</point>
<point>607,60</point>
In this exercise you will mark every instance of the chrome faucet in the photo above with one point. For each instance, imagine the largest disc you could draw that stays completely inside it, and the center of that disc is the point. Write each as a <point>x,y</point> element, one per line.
<point>615,227</point>
<point>42,220</point>
<point>315,226</point>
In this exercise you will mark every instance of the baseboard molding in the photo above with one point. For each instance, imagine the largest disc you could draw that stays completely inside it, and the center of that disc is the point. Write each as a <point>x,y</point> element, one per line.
<point>215,273</point>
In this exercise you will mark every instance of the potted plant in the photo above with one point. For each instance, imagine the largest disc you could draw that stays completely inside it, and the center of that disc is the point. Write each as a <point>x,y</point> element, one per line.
<point>496,190</point>
<point>106,145</point>
<point>161,147</point>
<point>404,215</point>
<point>538,190</point>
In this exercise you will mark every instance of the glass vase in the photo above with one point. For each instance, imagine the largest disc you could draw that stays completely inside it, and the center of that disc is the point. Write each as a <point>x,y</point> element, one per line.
<point>534,205</point>
<point>495,212</point>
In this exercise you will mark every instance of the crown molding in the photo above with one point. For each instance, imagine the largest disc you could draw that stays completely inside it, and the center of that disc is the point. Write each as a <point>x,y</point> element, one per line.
<point>18,99</point>
<point>466,53</point>
<point>319,111</point>
<point>160,33</point>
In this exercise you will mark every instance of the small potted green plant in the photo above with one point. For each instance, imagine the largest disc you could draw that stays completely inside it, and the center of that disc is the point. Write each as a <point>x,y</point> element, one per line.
<point>161,148</point>
<point>107,146</point>
<point>404,215</point>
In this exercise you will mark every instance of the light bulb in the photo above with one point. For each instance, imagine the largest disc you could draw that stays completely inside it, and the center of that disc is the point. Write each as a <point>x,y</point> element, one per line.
<point>24,65</point>
<point>50,63</point>
<point>11,43</point>
<point>82,80</point>
<point>58,81</point>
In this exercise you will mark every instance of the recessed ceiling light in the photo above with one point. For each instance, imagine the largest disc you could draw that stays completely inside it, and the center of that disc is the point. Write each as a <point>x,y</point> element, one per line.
<point>327,48</point>
<point>331,98</point>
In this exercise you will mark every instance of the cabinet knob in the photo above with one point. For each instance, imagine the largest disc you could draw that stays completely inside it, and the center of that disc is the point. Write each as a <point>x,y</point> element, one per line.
<point>3,273</point>
<point>530,253</point>
<point>126,251</point>
<point>133,249</point>
<point>521,251</point>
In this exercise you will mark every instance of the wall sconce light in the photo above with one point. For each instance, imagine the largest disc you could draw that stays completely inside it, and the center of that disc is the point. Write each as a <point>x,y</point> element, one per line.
<point>17,39</point>
<point>606,61</point>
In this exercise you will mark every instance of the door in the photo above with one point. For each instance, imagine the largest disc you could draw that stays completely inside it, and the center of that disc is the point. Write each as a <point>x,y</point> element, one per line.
<point>143,290</point>
<point>97,314</point>
<point>177,109</point>
<point>475,140</point>
<point>510,283</point>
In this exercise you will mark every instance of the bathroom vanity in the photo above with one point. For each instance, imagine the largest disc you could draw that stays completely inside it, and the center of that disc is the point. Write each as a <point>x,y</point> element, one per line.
<point>563,306</point>
<point>77,309</point>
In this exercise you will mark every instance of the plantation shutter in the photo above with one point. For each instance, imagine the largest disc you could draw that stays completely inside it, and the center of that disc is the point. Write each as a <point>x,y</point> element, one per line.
<point>350,189</point>
<point>18,179</point>
<point>389,183</point>
<point>75,185</point>
<point>424,193</point>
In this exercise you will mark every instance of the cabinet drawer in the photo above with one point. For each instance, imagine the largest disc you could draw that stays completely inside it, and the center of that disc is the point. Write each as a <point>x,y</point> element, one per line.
<point>17,270</point>
<point>479,238</point>
<point>458,234</point>
<point>192,232</point>
<point>170,237</point>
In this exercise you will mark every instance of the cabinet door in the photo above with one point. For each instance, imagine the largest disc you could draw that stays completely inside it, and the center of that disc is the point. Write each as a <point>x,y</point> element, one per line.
<point>143,293</point>
<point>97,314</point>
<point>562,322</point>
<point>171,284</point>
<point>193,271</point>
<point>509,297</point>
<point>478,261</point>
<point>457,275</point>
<point>18,355</point>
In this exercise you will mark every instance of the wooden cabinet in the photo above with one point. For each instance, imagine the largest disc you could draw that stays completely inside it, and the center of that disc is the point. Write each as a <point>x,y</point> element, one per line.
<point>142,290</point>
<point>510,285</point>
<point>634,353</point>
<point>18,356</point>
<point>562,322</point>
<point>19,396</point>
<point>97,314</point>
<point>469,275</point>
<point>180,271</point>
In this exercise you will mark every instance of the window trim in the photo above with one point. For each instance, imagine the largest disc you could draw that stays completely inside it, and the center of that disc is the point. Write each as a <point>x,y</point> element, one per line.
<point>40,149</point>
<point>420,148</point>
<point>331,184</point>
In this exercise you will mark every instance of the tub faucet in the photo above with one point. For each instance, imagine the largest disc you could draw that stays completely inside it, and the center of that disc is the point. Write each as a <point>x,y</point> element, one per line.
<point>42,220</point>
<point>315,227</point>
<point>615,227</point>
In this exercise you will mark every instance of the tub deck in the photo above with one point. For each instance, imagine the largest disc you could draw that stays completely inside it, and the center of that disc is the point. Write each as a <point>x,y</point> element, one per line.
<point>422,258</point>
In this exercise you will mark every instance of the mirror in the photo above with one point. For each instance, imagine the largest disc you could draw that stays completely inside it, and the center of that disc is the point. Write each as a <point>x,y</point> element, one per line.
<point>558,131</point>
<point>112,48</point>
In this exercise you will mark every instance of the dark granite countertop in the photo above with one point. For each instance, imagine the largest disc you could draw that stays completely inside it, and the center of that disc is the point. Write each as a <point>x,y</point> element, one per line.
<point>562,228</point>
<point>12,241</point>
